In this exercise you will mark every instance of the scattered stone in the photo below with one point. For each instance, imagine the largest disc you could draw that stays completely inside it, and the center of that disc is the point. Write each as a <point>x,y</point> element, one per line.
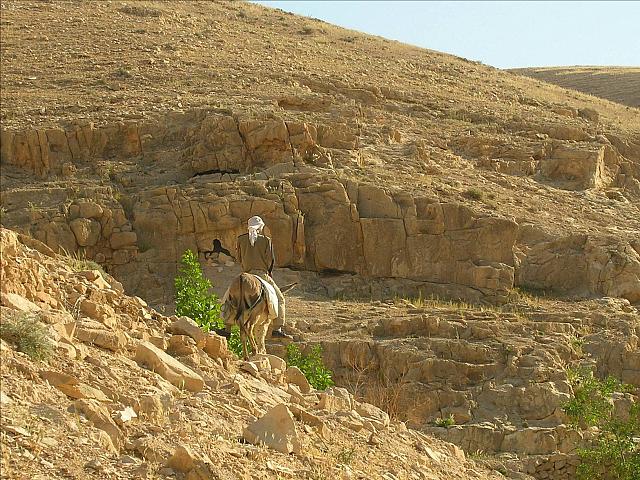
<point>99,416</point>
<point>124,416</point>
<point>168,367</point>
<point>94,464</point>
<point>182,460</point>
<point>18,302</point>
<point>275,429</point>
<point>294,375</point>
<point>16,430</point>
<point>186,326</point>
<point>216,346</point>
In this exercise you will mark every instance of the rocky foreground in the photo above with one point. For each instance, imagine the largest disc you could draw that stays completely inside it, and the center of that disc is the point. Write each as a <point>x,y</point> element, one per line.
<point>129,393</point>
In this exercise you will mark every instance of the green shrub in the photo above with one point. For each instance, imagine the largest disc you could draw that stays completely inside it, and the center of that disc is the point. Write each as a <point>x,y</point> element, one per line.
<point>445,422</point>
<point>474,194</point>
<point>319,376</point>
<point>235,344</point>
<point>346,456</point>
<point>615,452</point>
<point>27,334</point>
<point>193,297</point>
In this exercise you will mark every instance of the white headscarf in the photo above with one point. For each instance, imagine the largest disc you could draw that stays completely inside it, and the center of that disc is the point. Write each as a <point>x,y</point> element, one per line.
<point>255,227</point>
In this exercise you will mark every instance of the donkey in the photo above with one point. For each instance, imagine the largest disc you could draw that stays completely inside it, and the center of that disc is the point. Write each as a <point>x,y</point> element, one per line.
<point>246,305</point>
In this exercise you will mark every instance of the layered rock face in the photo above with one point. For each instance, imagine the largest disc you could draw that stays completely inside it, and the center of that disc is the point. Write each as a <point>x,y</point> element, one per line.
<point>498,375</point>
<point>229,168</point>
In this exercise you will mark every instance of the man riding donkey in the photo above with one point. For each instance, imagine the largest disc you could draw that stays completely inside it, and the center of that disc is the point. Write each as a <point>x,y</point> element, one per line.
<point>254,252</point>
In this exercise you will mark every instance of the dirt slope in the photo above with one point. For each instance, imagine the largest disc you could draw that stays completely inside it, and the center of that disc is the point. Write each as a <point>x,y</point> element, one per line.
<point>618,84</point>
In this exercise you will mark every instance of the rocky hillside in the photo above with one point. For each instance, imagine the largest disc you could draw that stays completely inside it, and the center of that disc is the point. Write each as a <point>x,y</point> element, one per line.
<point>128,393</point>
<point>455,178</point>
<point>460,234</point>
<point>499,374</point>
<point>618,84</point>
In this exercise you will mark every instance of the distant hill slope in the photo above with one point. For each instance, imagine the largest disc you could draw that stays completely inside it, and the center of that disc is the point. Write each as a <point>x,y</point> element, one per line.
<point>618,84</point>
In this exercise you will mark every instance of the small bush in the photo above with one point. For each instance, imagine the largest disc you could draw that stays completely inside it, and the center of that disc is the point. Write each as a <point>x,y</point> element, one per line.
<point>235,344</point>
<point>474,194</point>
<point>319,376</point>
<point>445,422</point>
<point>27,334</point>
<point>591,402</point>
<point>615,452</point>
<point>345,456</point>
<point>193,297</point>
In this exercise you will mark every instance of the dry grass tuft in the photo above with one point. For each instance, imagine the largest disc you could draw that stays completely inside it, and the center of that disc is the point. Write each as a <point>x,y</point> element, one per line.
<point>80,263</point>
<point>28,334</point>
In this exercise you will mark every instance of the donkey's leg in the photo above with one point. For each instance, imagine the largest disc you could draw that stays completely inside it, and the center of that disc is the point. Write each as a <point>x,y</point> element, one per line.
<point>262,328</point>
<point>243,340</point>
<point>252,334</point>
<point>243,336</point>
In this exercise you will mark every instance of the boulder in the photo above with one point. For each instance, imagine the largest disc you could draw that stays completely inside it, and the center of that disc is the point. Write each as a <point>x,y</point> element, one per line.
<point>95,277</point>
<point>87,209</point>
<point>275,363</point>
<point>82,390</point>
<point>87,231</point>
<point>275,429</point>
<point>122,239</point>
<point>152,449</point>
<point>153,405</point>
<point>111,340</point>
<point>576,168</point>
<point>182,460</point>
<point>168,367</point>
<point>18,302</point>
<point>294,375</point>
<point>589,114</point>
<point>186,326</point>
<point>332,403</point>
<point>100,312</point>
<point>216,346</point>
<point>181,345</point>
<point>99,416</point>
<point>372,412</point>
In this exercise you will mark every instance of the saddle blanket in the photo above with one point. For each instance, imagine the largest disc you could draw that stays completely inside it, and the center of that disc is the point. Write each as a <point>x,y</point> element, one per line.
<point>272,298</point>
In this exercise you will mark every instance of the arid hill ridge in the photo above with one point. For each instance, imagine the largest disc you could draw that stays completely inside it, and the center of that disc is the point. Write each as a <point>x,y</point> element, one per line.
<point>618,84</point>
<point>153,56</point>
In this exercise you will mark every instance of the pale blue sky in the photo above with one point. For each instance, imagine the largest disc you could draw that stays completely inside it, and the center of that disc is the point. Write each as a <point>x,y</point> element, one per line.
<point>503,34</point>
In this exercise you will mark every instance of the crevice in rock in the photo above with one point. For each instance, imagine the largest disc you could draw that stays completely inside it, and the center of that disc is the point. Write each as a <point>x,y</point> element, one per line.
<point>216,171</point>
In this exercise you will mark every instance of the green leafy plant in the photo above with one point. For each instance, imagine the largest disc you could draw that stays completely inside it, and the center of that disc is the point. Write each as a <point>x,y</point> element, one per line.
<point>591,402</point>
<point>445,422</point>
<point>28,334</point>
<point>614,453</point>
<point>311,364</point>
<point>235,344</point>
<point>193,296</point>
